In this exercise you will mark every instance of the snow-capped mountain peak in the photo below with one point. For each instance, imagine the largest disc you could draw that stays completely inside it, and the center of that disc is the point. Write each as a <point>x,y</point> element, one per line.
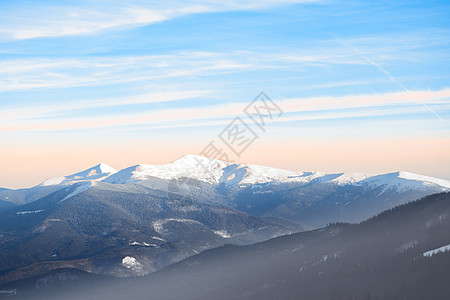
<point>229,173</point>
<point>221,172</point>
<point>96,173</point>
<point>106,169</point>
<point>191,159</point>
<point>192,166</point>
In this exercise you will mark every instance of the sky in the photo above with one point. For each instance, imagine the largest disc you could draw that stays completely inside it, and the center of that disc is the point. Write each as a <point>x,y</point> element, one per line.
<point>360,86</point>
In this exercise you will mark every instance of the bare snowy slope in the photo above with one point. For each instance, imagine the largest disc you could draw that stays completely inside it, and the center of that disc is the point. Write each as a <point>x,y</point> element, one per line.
<point>223,175</point>
<point>97,173</point>
<point>218,172</point>
<point>27,195</point>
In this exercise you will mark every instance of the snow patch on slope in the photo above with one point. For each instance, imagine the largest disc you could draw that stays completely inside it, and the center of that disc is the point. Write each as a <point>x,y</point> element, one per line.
<point>159,224</point>
<point>81,187</point>
<point>29,212</point>
<point>53,181</point>
<point>436,251</point>
<point>144,244</point>
<point>222,233</point>
<point>130,262</point>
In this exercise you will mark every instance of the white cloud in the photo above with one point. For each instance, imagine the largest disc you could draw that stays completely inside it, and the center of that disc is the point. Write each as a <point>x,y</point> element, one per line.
<point>23,74</point>
<point>45,110</point>
<point>298,109</point>
<point>32,73</point>
<point>53,21</point>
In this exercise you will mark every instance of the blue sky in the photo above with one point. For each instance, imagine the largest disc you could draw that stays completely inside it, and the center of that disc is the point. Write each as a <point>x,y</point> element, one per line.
<point>98,76</point>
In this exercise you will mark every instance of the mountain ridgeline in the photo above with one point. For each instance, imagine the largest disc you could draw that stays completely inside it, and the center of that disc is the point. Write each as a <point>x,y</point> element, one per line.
<point>143,218</point>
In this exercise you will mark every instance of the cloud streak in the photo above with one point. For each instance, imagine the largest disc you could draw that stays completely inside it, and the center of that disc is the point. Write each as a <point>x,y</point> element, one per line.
<point>26,74</point>
<point>39,21</point>
<point>394,80</point>
<point>41,73</point>
<point>295,109</point>
<point>46,110</point>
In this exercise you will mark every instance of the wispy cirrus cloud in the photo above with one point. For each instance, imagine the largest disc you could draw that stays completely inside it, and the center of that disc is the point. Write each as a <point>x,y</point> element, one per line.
<point>40,73</point>
<point>34,73</point>
<point>56,21</point>
<point>55,109</point>
<point>44,20</point>
<point>296,109</point>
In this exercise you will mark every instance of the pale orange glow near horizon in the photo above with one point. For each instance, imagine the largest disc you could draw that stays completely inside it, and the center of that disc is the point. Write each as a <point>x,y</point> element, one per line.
<point>426,156</point>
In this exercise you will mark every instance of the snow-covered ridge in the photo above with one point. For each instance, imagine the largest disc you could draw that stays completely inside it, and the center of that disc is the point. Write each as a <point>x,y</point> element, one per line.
<point>402,181</point>
<point>227,173</point>
<point>425,179</point>
<point>220,172</point>
<point>197,167</point>
<point>97,173</point>
<point>79,188</point>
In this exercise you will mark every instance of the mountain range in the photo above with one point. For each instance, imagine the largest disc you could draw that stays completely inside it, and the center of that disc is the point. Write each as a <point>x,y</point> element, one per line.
<point>143,218</point>
<point>402,253</point>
